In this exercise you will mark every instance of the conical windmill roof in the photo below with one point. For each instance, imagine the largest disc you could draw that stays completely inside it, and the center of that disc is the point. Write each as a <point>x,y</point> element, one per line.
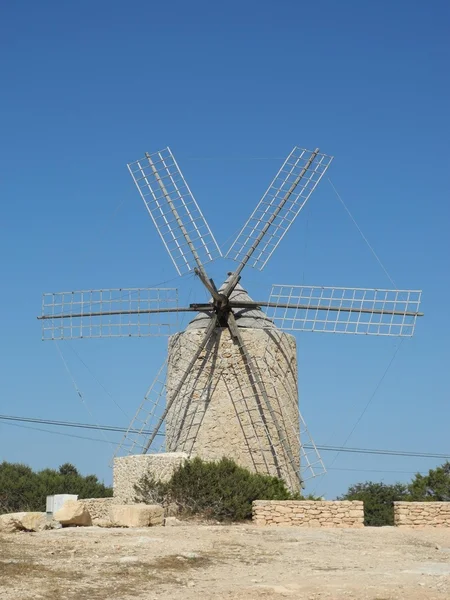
<point>250,318</point>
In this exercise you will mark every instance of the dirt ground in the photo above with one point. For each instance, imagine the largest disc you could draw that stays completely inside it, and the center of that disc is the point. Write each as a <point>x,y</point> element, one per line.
<point>241,562</point>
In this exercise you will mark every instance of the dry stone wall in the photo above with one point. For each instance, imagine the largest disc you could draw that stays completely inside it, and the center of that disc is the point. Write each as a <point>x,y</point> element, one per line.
<point>128,470</point>
<point>217,412</point>
<point>422,514</point>
<point>305,513</point>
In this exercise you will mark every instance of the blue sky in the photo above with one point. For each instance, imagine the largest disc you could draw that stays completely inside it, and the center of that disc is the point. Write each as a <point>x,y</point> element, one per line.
<point>88,87</point>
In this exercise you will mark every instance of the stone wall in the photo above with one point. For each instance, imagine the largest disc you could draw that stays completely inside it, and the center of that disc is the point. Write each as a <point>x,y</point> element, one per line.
<point>98,508</point>
<point>217,412</point>
<point>128,470</point>
<point>305,513</point>
<point>422,514</point>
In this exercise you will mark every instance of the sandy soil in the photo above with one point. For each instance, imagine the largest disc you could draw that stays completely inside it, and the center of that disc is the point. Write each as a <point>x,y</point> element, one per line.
<point>238,562</point>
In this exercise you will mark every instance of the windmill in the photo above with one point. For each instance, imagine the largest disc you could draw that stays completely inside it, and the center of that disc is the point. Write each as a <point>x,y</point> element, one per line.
<point>229,384</point>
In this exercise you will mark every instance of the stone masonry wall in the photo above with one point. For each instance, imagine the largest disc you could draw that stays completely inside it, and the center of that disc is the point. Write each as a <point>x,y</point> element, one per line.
<point>98,508</point>
<point>305,513</point>
<point>217,412</point>
<point>422,514</point>
<point>128,470</point>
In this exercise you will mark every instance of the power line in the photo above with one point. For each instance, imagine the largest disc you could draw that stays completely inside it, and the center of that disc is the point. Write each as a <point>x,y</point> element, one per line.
<point>97,380</point>
<point>359,419</point>
<point>69,424</point>
<point>362,234</point>
<point>79,437</point>
<point>77,389</point>
<point>82,437</point>
<point>375,471</point>
<point>325,448</point>
<point>369,402</point>
<point>382,452</point>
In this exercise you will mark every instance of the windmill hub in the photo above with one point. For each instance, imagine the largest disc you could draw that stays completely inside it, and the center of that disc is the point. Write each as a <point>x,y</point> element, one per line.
<point>247,313</point>
<point>221,304</point>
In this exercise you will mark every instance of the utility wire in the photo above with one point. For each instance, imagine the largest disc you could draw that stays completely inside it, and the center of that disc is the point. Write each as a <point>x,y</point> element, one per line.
<point>325,448</point>
<point>359,419</point>
<point>376,471</point>
<point>369,402</point>
<point>238,158</point>
<point>82,437</point>
<point>73,424</point>
<point>77,389</point>
<point>363,412</point>
<point>362,234</point>
<point>72,435</point>
<point>97,380</point>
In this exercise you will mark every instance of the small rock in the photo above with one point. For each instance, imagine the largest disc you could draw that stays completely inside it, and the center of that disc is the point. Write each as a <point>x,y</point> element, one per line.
<point>10,561</point>
<point>190,555</point>
<point>129,559</point>
<point>191,583</point>
<point>172,521</point>
<point>103,523</point>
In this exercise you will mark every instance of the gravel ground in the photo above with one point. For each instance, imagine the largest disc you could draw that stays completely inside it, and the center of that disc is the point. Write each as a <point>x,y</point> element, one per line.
<point>240,562</point>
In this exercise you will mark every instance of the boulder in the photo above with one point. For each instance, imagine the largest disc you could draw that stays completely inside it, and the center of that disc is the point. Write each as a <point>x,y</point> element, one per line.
<point>136,515</point>
<point>105,523</point>
<point>73,513</point>
<point>26,521</point>
<point>172,522</point>
<point>36,521</point>
<point>156,515</point>
<point>10,523</point>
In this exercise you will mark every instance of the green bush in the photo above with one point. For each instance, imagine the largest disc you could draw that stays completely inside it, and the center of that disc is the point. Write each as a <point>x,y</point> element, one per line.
<point>22,489</point>
<point>378,501</point>
<point>221,490</point>
<point>434,487</point>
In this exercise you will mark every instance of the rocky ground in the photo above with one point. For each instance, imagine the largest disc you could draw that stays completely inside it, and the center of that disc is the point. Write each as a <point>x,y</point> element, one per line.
<point>242,562</point>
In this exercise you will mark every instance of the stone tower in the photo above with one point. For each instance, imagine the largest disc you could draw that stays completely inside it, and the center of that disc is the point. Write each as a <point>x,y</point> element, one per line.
<point>218,413</point>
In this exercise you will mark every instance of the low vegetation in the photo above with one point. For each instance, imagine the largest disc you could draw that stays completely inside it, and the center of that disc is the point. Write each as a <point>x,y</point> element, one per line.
<point>379,498</point>
<point>219,490</point>
<point>22,489</point>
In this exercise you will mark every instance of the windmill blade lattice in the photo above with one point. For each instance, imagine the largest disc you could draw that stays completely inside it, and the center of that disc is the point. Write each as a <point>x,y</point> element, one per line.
<point>311,463</point>
<point>136,436</point>
<point>174,211</point>
<point>122,312</point>
<point>280,205</point>
<point>149,420</point>
<point>361,311</point>
<point>282,444</point>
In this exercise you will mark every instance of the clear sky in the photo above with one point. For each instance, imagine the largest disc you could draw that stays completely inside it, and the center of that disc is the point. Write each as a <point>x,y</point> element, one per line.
<point>87,87</point>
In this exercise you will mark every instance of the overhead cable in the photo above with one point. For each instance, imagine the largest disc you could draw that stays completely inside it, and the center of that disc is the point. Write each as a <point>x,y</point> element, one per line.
<point>325,448</point>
